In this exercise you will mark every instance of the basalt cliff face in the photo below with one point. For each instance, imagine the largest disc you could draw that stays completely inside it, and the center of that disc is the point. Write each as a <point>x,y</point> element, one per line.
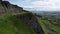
<point>32,22</point>
<point>6,7</point>
<point>27,18</point>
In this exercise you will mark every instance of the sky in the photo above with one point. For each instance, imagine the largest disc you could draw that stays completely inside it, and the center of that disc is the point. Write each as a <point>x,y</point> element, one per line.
<point>49,5</point>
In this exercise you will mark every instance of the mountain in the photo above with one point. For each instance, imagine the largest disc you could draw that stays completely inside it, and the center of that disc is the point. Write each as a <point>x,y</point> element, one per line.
<point>49,21</point>
<point>6,7</point>
<point>39,11</point>
<point>16,20</point>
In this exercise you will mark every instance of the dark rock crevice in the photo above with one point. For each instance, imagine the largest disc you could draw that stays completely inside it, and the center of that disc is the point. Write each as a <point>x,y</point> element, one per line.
<point>32,21</point>
<point>28,18</point>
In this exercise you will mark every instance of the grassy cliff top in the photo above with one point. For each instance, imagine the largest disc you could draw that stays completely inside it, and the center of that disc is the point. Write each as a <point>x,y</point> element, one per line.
<point>11,25</point>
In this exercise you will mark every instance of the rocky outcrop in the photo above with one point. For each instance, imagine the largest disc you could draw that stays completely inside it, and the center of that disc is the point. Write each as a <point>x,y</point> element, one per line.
<point>32,21</point>
<point>27,18</point>
<point>6,7</point>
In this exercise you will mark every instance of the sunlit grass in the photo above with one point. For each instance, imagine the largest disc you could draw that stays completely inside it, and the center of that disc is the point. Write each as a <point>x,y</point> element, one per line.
<point>11,25</point>
<point>48,27</point>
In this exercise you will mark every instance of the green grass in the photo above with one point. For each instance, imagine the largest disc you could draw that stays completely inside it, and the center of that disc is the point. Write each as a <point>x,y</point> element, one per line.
<point>43,26</point>
<point>48,27</point>
<point>11,25</point>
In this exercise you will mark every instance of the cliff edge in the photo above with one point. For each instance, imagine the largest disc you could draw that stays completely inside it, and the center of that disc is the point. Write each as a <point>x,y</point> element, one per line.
<point>15,20</point>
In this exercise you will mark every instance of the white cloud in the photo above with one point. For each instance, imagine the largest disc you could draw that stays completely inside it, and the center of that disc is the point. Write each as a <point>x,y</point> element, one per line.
<point>46,5</point>
<point>27,0</point>
<point>40,4</point>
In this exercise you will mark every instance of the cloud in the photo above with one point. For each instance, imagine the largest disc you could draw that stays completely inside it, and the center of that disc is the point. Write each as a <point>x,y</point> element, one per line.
<point>46,5</point>
<point>19,2</point>
<point>38,4</point>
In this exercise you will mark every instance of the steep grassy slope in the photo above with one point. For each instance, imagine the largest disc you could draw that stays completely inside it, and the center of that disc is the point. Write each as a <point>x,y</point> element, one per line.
<point>18,21</point>
<point>50,26</point>
<point>11,25</point>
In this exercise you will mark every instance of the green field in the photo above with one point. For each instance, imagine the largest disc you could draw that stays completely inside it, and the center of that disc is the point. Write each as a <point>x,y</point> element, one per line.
<point>50,25</point>
<point>9,24</point>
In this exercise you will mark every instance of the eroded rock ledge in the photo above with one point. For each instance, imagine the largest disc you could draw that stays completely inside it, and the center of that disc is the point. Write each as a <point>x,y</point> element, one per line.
<point>32,21</point>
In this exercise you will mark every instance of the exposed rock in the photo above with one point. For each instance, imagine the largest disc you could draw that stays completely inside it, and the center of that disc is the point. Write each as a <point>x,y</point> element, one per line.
<point>6,7</point>
<point>32,21</point>
<point>28,18</point>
